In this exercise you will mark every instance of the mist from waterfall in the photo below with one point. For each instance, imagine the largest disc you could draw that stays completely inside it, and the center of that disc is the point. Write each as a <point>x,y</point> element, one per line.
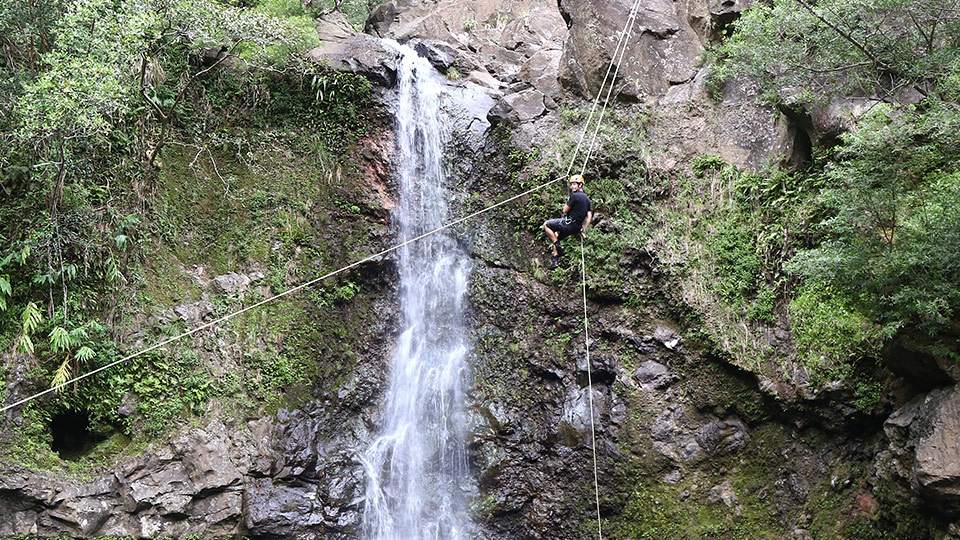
<point>416,466</point>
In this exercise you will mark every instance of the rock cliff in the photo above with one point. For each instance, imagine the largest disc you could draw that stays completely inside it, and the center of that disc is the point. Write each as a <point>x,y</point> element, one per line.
<point>687,442</point>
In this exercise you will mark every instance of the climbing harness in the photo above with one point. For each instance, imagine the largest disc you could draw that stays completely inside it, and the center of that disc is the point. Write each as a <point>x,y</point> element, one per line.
<point>616,61</point>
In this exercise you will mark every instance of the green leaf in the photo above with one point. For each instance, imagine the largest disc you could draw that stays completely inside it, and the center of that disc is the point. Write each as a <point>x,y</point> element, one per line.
<point>43,279</point>
<point>78,334</point>
<point>70,270</point>
<point>25,344</point>
<point>60,339</point>
<point>31,319</point>
<point>62,375</point>
<point>113,274</point>
<point>84,353</point>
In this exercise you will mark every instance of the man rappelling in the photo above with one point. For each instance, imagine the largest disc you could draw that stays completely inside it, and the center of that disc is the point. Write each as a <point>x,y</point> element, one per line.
<point>576,219</point>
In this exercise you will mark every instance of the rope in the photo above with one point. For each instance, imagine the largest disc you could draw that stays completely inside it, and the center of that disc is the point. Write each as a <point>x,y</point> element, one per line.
<point>617,59</point>
<point>272,298</point>
<point>593,429</point>
<point>229,316</point>
<point>624,39</point>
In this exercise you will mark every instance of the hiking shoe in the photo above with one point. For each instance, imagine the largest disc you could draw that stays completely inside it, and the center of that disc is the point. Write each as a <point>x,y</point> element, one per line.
<point>559,249</point>
<point>554,262</point>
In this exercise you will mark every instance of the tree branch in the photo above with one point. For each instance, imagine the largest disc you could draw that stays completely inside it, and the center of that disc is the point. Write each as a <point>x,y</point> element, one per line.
<point>847,36</point>
<point>166,116</point>
<point>143,89</point>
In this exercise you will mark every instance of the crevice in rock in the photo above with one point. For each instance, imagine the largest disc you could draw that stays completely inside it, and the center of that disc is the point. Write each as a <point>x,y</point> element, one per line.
<point>802,148</point>
<point>801,127</point>
<point>72,437</point>
<point>723,22</point>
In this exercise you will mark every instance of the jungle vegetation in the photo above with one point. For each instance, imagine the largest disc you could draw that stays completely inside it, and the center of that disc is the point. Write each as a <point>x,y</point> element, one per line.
<point>107,109</point>
<point>98,98</point>
<point>865,234</point>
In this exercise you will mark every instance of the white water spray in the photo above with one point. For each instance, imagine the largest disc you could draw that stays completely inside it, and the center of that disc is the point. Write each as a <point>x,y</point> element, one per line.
<point>416,467</point>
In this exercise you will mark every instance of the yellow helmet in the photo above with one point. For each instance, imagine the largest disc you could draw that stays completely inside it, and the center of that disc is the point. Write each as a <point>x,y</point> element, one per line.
<point>576,179</point>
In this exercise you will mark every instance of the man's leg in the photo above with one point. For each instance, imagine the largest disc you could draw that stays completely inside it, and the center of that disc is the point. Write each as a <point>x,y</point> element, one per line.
<point>552,235</point>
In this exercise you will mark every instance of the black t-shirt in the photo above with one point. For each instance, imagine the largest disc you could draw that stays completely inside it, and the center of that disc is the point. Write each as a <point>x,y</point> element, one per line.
<point>579,205</point>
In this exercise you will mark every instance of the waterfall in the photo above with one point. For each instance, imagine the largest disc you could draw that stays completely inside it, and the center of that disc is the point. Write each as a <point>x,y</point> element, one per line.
<point>416,466</point>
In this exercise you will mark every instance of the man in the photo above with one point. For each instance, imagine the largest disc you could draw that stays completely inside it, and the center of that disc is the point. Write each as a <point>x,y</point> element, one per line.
<point>577,217</point>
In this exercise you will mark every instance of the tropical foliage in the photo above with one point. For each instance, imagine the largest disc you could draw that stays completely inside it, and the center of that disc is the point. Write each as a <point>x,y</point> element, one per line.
<point>93,93</point>
<point>878,256</point>
<point>805,51</point>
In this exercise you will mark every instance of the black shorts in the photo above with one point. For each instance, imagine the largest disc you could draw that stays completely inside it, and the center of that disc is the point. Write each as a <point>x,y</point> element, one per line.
<point>564,227</point>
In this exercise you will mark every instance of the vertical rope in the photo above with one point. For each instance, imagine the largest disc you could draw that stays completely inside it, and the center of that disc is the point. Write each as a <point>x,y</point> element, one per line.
<point>593,429</point>
<point>616,60</point>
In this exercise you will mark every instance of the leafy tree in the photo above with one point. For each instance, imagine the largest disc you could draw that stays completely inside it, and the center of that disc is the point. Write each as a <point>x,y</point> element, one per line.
<point>94,88</point>
<point>26,32</point>
<point>892,241</point>
<point>92,93</point>
<point>877,252</point>
<point>355,11</point>
<point>807,51</point>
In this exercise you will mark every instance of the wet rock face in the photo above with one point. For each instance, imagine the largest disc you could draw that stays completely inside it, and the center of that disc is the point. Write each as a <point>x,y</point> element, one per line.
<point>534,394</point>
<point>344,49</point>
<point>533,411</point>
<point>288,477</point>
<point>923,447</point>
<point>918,366</point>
<point>193,484</point>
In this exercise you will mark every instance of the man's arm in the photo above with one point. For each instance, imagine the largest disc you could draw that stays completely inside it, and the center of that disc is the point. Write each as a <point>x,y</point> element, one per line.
<point>586,224</point>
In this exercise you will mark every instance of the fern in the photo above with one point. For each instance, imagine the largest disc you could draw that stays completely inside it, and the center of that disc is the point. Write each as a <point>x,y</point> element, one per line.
<point>84,354</point>
<point>5,291</point>
<point>60,339</point>
<point>24,344</point>
<point>63,374</point>
<point>31,318</point>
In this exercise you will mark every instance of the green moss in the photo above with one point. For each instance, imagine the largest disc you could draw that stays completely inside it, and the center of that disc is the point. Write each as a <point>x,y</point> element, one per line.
<point>830,335</point>
<point>850,506</point>
<point>657,510</point>
<point>169,387</point>
<point>724,390</point>
<point>648,508</point>
<point>30,441</point>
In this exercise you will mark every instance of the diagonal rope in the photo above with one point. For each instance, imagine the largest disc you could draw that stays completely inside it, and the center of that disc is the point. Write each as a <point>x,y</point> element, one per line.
<point>275,297</point>
<point>616,60</point>
<point>621,47</point>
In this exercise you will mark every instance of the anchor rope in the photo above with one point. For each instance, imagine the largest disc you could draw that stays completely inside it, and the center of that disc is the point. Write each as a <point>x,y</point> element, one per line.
<point>616,60</point>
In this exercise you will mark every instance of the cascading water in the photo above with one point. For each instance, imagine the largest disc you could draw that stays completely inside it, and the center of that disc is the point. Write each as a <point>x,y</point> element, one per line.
<point>416,467</point>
